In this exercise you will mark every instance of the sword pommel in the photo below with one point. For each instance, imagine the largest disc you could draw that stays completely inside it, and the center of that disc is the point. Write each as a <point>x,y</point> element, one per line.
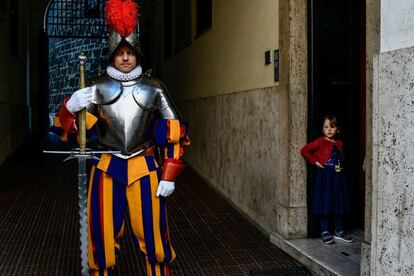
<point>82,58</point>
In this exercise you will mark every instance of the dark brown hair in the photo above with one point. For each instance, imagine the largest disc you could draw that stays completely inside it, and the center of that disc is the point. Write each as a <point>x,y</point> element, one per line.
<point>333,123</point>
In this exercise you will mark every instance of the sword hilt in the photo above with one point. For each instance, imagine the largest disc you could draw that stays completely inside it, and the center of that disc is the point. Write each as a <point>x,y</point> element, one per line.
<point>82,113</point>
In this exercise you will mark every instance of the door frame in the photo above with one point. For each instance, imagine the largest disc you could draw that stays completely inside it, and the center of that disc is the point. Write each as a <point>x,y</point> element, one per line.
<point>361,107</point>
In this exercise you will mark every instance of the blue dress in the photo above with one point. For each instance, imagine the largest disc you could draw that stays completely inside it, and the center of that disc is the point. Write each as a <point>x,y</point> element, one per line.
<point>331,191</point>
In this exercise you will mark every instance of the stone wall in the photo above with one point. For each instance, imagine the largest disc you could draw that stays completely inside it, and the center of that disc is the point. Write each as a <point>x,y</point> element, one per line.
<point>68,19</point>
<point>397,24</point>
<point>372,48</point>
<point>64,65</point>
<point>236,146</point>
<point>393,164</point>
<point>292,195</point>
<point>246,144</point>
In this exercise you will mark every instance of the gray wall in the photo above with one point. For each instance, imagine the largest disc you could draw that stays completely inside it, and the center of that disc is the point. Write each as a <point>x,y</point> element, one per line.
<point>397,24</point>
<point>389,163</point>
<point>393,164</point>
<point>235,146</point>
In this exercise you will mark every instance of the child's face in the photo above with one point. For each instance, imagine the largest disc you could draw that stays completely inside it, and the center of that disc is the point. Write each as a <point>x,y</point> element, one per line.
<point>328,130</point>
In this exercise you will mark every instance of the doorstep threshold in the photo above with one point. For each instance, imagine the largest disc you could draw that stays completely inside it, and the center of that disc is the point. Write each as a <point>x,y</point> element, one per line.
<point>339,258</point>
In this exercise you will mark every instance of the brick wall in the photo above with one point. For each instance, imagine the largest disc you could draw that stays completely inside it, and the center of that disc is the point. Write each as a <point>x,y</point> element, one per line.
<point>64,65</point>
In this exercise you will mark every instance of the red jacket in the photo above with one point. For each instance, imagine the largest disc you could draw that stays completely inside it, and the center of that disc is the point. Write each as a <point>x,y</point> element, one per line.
<point>320,150</point>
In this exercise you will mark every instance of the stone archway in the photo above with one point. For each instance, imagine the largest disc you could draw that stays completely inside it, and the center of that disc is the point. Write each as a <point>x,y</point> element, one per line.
<point>72,27</point>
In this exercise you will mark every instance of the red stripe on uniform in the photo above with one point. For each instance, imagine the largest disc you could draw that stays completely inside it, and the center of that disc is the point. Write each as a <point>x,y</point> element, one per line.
<point>168,129</point>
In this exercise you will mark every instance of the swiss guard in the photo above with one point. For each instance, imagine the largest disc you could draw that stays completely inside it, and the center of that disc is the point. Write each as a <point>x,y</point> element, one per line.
<point>135,121</point>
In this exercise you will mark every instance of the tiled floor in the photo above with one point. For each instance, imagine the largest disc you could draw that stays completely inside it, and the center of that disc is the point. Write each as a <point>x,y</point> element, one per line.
<point>39,227</point>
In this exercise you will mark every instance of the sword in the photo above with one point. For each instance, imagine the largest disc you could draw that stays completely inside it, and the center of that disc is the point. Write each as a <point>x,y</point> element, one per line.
<point>82,154</point>
<point>82,176</point>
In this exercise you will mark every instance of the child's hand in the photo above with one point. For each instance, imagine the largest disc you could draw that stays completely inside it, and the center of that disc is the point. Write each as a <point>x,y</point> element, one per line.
<point>319,165</point>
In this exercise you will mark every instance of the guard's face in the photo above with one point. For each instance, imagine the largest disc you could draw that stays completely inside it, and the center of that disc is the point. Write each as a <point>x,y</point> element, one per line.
<point>125,59</point>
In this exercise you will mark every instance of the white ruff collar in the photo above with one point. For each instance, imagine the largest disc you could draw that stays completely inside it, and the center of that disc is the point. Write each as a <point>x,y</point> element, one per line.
<point>118,75</point>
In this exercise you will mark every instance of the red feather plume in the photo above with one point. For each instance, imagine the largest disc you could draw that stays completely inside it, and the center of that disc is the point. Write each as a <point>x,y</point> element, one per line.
<point>122,16</point>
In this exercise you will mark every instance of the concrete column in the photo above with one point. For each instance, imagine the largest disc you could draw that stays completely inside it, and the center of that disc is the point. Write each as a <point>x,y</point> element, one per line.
<point>291,195</point>
<point>372,48</point>
<point>393,164</point>
<point>392,168</point>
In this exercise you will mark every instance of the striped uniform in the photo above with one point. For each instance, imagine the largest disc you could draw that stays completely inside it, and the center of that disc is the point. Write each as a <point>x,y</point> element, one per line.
<point>116,184</point>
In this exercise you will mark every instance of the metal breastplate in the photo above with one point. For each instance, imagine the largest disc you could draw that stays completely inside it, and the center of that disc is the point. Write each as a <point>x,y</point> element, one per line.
<point>126,122</point>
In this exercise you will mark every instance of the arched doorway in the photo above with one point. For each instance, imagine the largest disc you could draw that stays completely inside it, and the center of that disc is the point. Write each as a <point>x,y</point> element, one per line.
<point>72,27</point>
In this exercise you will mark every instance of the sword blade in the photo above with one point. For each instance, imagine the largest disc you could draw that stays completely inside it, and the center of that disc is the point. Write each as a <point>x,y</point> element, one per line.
<point>83,216</point>
<point>79,152</point>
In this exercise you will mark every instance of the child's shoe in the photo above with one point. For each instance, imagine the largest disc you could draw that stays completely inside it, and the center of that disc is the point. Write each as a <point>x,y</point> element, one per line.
<point>341,235</point>
<point>327,237</point>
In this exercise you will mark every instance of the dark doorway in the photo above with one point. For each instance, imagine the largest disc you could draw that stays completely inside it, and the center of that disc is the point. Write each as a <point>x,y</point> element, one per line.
<point>337,87</point>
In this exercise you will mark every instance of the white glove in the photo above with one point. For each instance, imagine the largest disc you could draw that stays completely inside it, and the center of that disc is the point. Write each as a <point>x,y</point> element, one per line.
<point>165,188</point>
<point>79,100</point>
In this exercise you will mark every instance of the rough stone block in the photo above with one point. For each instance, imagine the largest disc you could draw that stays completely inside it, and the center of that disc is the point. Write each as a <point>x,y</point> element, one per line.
<point>393,182</point>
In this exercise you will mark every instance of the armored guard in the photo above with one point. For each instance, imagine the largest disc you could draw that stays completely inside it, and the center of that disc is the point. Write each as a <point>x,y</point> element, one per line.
<point>130,112</point>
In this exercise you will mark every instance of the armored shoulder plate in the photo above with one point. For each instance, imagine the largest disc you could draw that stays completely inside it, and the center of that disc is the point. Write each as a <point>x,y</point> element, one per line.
<point>105,90</point>
<point>146,93</point>
<point>149,81</point>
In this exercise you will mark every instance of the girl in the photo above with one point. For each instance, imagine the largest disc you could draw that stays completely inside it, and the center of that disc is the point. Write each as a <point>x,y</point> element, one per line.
<point>330,196</point>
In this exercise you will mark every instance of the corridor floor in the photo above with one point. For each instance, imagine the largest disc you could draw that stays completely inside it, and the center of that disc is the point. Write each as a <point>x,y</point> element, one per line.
<point>39,227</point>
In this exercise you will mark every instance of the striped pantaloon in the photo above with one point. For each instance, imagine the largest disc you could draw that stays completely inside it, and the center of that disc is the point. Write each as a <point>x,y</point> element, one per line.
<point>108,198</point>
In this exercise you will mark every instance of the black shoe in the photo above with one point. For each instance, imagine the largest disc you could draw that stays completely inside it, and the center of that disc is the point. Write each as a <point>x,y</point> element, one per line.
<point>342,236</point>
<point>327,238</point>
